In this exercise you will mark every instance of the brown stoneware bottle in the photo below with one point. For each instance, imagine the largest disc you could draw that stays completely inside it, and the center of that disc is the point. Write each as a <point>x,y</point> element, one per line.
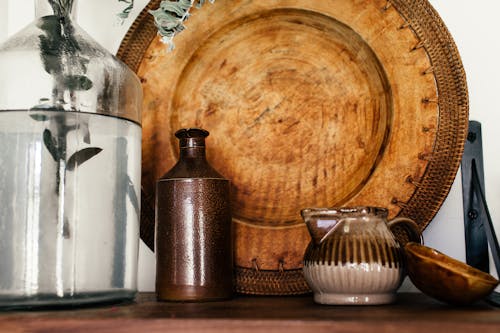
<point>193,227</point>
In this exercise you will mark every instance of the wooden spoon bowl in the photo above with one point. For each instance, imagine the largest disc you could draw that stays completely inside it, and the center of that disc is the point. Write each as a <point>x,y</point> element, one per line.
<point>445,278</point>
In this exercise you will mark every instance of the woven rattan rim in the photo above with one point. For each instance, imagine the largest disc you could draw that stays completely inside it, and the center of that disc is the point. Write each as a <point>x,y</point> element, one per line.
<point>288,282</point>
<point>443,163</point>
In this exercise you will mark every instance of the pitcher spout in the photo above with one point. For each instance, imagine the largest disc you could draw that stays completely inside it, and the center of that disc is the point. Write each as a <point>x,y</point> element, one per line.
<point>320,223</point>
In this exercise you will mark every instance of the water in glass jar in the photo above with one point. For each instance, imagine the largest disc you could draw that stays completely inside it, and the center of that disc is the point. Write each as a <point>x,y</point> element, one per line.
<point>69,207</point>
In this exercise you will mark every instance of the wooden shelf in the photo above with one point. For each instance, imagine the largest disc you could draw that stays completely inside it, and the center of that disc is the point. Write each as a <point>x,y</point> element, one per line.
<point>411,313</point>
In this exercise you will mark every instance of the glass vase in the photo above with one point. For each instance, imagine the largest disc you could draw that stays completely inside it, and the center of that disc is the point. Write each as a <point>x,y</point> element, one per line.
<point>70,166</point>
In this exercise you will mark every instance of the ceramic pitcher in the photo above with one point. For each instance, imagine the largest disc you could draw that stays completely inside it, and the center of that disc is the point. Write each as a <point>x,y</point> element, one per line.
<point>353,257</point>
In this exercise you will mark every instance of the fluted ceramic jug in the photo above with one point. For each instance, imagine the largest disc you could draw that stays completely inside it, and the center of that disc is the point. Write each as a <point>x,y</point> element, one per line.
<point>353,257</point>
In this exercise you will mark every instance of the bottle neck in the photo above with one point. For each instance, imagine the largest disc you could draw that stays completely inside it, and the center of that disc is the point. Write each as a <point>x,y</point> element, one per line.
<point>192,147</point>
<point>193,153</point>
<point>61,8</point>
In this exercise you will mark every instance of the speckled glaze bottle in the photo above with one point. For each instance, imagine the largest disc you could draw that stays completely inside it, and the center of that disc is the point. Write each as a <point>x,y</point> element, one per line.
<point>193,227</point>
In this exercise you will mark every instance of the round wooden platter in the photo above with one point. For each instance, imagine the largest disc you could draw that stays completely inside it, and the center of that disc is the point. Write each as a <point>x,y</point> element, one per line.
<point>309,104</point>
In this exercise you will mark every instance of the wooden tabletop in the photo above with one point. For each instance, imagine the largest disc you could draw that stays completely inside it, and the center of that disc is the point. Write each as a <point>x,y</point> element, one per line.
<point>411,313</point>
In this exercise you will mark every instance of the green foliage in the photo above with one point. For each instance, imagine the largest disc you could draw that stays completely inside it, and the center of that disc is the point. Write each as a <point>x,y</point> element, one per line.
<point>61,55</point>
<point>56,144</point>
<point>126,12</point>
<point>61,7</point>
<point>62,58</point>
<point>169,18</point>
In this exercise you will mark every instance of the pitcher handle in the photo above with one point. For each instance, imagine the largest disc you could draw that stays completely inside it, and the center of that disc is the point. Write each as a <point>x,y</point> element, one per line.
<point>410,227</point>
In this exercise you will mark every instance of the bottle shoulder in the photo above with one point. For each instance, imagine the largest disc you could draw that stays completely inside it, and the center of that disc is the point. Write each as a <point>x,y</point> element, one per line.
<point>192,168</point>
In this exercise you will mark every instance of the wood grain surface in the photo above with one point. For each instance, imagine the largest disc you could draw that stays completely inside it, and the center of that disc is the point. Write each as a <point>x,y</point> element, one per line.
<point>309,104</point>
<point>411,313</point>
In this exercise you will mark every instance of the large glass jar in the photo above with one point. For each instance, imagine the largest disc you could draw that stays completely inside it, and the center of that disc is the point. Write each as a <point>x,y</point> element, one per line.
<point>70,166</point>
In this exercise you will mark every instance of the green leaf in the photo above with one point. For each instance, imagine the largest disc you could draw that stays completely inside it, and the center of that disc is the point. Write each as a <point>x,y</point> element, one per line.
<point>133,196</point>
<point>39,117</point>
<point>77,82</point>
<point>51,144</point>
<point>169,19</point>
<point>51,55</point>
<point>51,25</point>
<point>81,157</point>
<point>126,12</point>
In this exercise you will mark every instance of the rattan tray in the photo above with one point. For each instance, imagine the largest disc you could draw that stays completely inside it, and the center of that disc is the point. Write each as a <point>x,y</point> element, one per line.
<point>309,103</point>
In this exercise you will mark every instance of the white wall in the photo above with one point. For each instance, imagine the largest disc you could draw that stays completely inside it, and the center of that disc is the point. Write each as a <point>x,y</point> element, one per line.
<point>475,27</point>
<point>3,21</point>
<point>473,24</point>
